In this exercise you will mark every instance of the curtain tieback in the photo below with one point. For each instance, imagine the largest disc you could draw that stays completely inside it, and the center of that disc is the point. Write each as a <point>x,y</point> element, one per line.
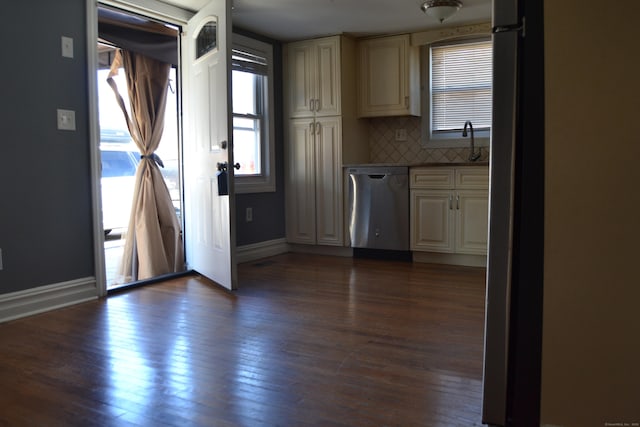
<point>154,157</point>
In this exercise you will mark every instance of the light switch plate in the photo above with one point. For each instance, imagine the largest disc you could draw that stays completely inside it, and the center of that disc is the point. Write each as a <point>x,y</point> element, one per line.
<point>66,119</point>
<point>67,47</point>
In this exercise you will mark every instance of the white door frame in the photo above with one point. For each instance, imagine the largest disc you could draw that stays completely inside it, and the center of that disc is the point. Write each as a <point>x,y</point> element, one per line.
<point>152,9</point>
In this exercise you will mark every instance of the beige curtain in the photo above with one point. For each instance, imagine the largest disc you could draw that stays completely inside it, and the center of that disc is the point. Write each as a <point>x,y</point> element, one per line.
<point>153,245</point>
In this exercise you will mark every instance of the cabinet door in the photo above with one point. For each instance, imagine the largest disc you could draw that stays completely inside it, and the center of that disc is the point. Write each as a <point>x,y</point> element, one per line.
<point>432,221</point>
<point>327,92</point>
<point>472,219</point>
<point>313,71</point>
<point>328,188</point>
<point>387,75</point>
<point>300,183</point>
<point>301,73</point>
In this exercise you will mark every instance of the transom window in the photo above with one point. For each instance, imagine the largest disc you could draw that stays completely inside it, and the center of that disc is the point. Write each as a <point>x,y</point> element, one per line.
<point>207,39</point>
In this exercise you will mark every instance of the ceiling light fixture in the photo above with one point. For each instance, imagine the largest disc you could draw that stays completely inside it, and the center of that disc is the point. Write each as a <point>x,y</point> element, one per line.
<point>441,9</point>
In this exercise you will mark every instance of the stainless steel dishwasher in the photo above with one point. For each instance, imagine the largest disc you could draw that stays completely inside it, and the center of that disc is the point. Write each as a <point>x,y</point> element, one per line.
<point>379,207</point>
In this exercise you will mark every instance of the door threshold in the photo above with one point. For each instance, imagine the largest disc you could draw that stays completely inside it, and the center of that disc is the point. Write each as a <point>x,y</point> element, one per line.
<point>140,283</point>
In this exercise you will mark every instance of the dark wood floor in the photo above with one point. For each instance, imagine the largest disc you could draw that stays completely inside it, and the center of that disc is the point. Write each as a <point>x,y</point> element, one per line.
<point>306,341</point>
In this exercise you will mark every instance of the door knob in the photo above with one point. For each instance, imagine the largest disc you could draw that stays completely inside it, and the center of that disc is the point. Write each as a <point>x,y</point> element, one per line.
<point>224,166</point>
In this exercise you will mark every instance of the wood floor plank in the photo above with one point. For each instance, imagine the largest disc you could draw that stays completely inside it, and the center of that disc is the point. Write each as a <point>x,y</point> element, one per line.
<point>307,340</point>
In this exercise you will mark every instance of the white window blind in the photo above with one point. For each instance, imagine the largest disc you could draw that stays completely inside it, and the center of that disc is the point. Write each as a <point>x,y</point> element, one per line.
<point>246,60</point>
<point>461,77</point>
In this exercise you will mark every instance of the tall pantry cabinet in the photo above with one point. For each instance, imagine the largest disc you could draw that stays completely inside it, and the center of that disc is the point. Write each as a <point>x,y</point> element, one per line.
<point>323,133</point>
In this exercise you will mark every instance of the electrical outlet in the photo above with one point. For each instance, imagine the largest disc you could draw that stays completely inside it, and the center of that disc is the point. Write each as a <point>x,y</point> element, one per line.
<point>67,47</point>
<point>66,119</point>
<point>249,215</point>
<point>401,134</point>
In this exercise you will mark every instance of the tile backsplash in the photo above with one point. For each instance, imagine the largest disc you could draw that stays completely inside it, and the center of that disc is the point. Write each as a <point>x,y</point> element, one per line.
<point>383,147</point>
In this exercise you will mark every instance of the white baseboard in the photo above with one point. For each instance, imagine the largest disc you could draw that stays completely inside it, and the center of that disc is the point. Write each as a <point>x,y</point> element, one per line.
<point>45,298</point>
<point>254,251</point>
<point>451,259</point>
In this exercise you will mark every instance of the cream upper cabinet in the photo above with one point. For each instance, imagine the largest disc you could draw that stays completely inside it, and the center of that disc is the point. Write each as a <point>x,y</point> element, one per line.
<point>449,209</point>
<point>313,72</point>
<point>389,77</point>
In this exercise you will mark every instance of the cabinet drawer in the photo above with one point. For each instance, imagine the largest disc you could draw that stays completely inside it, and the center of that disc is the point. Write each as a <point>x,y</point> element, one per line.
<point>440,177</point>
<point>472,177</point>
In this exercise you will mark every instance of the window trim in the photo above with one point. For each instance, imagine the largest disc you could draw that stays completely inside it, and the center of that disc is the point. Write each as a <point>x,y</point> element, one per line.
<point>452,139</point>
<point>265,181</point>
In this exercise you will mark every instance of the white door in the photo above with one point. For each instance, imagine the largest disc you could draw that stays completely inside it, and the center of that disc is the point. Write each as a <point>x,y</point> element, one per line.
<point>209,225</point>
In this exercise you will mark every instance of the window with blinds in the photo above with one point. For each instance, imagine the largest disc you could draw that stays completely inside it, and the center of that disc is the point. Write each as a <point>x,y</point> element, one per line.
<point>461,76</point>
<point>252,105</point>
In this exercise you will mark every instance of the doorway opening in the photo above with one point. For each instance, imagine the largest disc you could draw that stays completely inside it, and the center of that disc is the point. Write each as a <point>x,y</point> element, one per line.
<point>120,156</point>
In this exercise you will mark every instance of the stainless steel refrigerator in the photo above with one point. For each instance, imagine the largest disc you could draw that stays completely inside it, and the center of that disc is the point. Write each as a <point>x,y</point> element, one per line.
<point>515,273</point>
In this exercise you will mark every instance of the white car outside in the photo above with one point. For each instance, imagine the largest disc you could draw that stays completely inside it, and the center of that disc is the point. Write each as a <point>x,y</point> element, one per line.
<point>119,163</point>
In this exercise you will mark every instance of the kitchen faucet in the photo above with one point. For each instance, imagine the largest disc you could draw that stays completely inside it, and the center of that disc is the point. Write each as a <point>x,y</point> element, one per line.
<point>473,156</point>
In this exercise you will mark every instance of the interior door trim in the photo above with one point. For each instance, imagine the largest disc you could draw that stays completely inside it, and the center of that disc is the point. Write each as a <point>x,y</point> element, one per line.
<point>149,8</point>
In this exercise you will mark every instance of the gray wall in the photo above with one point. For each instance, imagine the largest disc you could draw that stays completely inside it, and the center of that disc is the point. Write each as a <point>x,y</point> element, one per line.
<point>268,208</point>
<point>45,208</point>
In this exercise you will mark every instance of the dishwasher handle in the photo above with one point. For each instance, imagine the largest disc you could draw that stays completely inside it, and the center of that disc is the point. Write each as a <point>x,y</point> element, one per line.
<point>377,176</point>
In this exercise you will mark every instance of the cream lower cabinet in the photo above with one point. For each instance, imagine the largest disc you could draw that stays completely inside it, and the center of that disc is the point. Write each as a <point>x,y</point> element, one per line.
<point>471,221</point>
<point>314,194</point>
<point>449,210</point>
<point>431,221</point>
